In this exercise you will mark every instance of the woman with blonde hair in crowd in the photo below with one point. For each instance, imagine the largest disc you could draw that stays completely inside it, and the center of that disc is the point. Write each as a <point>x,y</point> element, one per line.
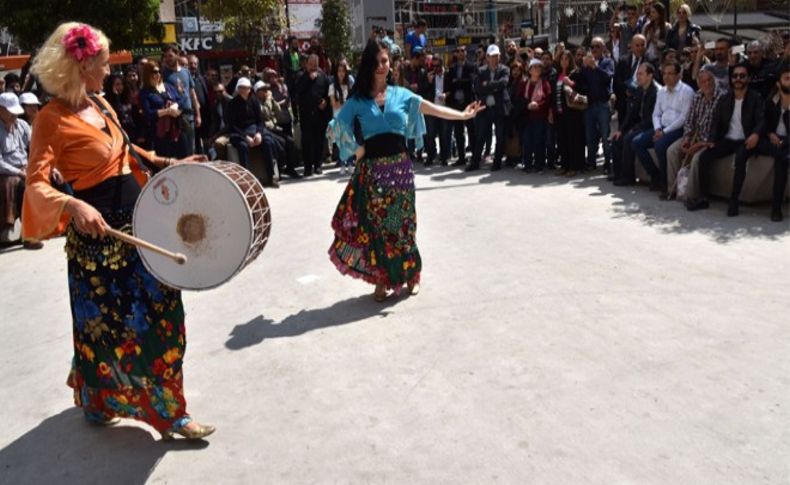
<point>682,34</point>
<point>128,328</point>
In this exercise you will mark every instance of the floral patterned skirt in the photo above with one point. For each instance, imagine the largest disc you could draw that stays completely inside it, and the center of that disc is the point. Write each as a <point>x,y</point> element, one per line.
<point>129,337</point>
<point>375,224</point>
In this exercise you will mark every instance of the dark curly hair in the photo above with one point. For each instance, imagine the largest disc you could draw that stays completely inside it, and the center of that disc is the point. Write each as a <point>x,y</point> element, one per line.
<point>366,73</point>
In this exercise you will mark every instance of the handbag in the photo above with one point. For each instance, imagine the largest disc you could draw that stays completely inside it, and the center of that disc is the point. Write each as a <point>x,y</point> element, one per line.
<point>575,100</point>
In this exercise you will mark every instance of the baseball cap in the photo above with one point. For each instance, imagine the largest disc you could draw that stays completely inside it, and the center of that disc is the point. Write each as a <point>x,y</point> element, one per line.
<point>534,62</point>
<point>493,50</point>
<point>10,102</point>
<point>258,85</point>
<point>243,82</point>
<point>28,98</point>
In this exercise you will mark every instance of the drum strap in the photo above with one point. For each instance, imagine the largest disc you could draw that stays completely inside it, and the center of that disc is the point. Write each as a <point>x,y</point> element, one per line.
<point>142,162</point>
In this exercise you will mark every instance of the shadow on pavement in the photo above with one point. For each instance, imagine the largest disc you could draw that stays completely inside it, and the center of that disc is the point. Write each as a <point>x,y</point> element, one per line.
<point>671,217</point>
<point>65,449</point>
<point>341,313</point>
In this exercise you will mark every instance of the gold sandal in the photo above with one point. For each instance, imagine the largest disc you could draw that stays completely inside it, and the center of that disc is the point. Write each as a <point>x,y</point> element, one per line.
<point>198,432</point>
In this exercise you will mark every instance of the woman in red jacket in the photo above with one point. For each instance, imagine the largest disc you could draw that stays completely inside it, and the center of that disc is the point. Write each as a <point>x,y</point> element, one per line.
<point>537,98</point>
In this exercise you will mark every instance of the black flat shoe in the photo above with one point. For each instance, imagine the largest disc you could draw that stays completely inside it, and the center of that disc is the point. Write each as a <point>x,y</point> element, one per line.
<point>697,204</point>
<point>776,216</point>
<point>471,168</point>
<point>624,182</point>
<point>732,210</point>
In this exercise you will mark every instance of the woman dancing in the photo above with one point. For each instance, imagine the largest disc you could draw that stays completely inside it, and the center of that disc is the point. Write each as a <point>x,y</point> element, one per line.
<point>375,221</point>
<point>129,338</point>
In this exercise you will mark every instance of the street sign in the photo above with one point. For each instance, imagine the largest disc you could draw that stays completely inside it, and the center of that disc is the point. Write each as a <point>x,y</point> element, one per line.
<point>464,40</point>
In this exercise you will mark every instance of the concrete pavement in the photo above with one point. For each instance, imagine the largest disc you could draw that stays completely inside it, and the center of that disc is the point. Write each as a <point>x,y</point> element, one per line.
<point>567,333</point>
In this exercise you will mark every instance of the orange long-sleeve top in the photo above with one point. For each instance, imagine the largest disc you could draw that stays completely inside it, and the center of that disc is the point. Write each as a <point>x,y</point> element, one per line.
<point>84,154</point>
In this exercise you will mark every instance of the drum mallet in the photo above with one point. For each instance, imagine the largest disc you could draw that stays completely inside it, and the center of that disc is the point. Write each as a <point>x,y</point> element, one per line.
<point>127,238</point>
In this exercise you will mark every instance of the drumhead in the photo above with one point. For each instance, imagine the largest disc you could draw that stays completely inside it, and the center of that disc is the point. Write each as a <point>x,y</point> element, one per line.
<point>197,210</point>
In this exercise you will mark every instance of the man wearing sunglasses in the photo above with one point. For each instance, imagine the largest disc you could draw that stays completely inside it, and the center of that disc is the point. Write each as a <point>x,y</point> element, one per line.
<point>738,121</point>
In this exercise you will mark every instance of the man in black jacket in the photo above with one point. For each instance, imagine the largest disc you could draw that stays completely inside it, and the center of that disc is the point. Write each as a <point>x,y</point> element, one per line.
<point>201,91</point>
<point>491,88</point>
<point>639,120</point>
<point>778,127</point>
<point>625,83</point>
<point>738,122</point>
<point>312,91</point>
<point>458,91</point>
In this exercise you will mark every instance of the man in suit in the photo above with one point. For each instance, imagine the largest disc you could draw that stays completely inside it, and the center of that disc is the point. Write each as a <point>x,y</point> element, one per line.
<point>315,111</point>
<point>491,88</point>
<point>738,122</point>
<point>458,93</point>
<point>625,82</point>
<point>638,121</point>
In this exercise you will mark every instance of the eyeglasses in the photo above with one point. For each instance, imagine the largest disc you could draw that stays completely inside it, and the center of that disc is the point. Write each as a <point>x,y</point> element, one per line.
<point>597,46</point>
<point>740,75</point>
<point>156,71</point>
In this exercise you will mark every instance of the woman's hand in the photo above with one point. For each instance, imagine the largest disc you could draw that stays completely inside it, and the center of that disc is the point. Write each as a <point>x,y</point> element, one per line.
<point>191,159</point>
<point>174,111</point>
<point>472,109</point>
<point>86,218</point>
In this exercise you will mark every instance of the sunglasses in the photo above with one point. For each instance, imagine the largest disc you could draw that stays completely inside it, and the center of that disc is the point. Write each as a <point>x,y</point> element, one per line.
<point>597,46</point>
<point>739,76</point>
<point>156,71</point>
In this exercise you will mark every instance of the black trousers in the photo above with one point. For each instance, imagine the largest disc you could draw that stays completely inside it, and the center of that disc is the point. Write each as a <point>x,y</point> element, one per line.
<point>570,139</point>
<point>313,136</point>
<point>460,140</point>
<point>483,132</point>
<point>725,147</point>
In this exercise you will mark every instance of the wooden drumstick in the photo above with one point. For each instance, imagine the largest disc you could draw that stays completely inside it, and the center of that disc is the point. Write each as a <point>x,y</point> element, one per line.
<point>127,238</point>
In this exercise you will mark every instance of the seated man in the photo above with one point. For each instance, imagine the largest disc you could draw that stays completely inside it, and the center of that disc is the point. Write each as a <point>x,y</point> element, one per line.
<point>246,132</point>
<point>14,142</point>
<point>696,134</point>
<point>777,126</point>
<point>673,103</point>
<point>638,121</point>
<point>738,121</point>
<point>285,146</point>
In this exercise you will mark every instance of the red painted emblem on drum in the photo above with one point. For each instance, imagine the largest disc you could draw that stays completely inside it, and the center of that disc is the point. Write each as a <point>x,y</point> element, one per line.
<point>165,191</point>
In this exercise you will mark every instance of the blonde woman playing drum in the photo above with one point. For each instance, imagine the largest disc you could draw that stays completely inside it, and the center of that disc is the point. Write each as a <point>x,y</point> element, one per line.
<point>128,328</point>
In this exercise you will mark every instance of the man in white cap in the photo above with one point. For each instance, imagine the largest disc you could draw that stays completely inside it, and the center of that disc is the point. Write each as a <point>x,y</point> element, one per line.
<point>14,142</point>
<point>31,105</point>
<point>491,88</point>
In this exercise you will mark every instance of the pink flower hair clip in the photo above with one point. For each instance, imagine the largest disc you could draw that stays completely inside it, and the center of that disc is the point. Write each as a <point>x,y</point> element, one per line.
<point>81,42</point>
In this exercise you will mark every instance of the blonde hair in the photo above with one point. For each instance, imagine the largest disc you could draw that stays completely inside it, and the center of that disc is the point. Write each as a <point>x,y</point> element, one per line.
<point>57,71</point>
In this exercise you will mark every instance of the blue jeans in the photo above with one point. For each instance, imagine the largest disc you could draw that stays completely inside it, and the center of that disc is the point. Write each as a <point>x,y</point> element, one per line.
<point>597,121</point>
<point>641,143</point>
<point>534,144</point>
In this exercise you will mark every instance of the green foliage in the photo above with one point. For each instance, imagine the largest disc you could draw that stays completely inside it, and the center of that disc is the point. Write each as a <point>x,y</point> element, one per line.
<point>247,20</point>
<point>125,22</point>
<point>336,28</point>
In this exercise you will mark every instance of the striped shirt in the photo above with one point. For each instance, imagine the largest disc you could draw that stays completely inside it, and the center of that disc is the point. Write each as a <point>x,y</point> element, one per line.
<point>700,117</point>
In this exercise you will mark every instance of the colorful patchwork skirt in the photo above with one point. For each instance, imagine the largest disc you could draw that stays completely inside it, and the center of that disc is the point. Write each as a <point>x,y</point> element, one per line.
<point>375,224</point>
<point>129,336</point>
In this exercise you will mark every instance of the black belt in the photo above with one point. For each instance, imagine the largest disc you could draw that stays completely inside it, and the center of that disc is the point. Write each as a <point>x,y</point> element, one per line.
<point>114,193</point>
<point>385,145</point>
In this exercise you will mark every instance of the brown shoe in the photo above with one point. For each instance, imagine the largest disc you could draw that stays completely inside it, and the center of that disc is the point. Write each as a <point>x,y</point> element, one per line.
<point>32,245</point>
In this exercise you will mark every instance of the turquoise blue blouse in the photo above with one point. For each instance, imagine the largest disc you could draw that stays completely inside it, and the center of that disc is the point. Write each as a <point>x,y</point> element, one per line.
<point>401,115</point>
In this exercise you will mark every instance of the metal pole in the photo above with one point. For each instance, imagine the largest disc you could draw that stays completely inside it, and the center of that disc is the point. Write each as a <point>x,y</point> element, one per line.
<point>735,19</point>
<point>553,24</point>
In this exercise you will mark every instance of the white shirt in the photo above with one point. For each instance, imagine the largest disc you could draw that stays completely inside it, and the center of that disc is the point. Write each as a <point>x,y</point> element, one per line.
<point>672,108</point>
<point>780,129</point>
<point>439,82</point>
<point>735,132</point>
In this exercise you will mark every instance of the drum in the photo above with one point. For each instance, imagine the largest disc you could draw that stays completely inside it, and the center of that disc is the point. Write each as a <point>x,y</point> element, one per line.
<point>215,213</point>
